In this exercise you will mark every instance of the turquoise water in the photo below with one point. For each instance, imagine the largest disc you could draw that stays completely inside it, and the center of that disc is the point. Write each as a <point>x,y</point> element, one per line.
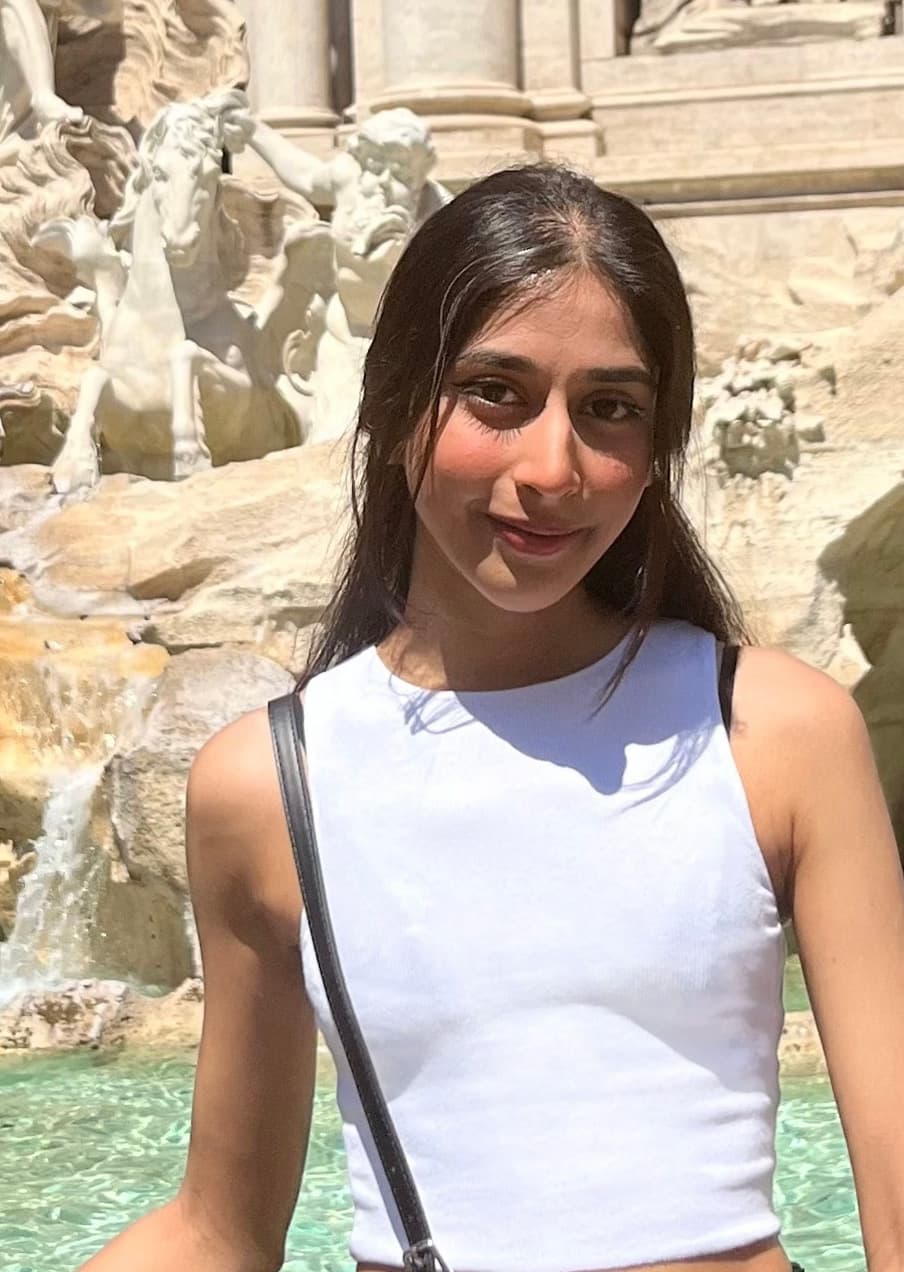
<point>89,1141</point>
<point>795,993</point>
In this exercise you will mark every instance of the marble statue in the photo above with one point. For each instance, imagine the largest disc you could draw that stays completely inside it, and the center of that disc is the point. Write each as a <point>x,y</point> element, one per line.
<point>185,377</point>
<point>680,26</point>
<point>28,95</point>
<point>379,190</point>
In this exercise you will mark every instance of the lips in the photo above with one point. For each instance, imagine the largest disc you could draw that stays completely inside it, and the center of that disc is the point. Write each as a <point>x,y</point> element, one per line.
<point>544,528</point>
<point>531,538</point>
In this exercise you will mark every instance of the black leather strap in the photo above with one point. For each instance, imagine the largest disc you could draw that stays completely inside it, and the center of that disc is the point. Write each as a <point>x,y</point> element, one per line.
<point>287,731</point>
<point>728,665</point>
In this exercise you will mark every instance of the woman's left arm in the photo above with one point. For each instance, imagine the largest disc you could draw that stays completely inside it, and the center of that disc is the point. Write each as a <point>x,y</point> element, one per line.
<point>847,897</point>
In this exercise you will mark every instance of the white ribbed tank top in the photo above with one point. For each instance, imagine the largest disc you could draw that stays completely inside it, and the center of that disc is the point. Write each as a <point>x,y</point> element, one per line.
<point>565,953</point>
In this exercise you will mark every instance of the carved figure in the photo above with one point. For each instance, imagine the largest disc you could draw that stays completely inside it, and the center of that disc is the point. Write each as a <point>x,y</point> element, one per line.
<point>379,191</point>
<point>669,26</point>
<point>184,375</point>
<point>27,41</point>
<point>756,407</point>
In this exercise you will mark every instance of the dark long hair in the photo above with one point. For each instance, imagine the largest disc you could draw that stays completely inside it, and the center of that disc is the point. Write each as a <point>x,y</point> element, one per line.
<point>494,244</point>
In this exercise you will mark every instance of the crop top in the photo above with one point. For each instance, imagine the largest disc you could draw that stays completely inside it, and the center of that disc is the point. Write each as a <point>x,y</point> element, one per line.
<point>563,946</point>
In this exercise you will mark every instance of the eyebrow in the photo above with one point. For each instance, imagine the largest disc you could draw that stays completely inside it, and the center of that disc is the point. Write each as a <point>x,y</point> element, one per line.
<point>603,375</point>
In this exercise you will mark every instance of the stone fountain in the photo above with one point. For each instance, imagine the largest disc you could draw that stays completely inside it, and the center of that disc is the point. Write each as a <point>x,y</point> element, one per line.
<point>176,385</point>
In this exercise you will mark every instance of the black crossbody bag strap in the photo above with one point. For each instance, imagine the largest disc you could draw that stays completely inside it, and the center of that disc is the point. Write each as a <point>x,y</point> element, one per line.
<point>287,731</point>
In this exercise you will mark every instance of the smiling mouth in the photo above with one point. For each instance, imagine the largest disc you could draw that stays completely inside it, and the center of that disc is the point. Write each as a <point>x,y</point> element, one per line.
<point>525,538</point>
<point>528,527</point>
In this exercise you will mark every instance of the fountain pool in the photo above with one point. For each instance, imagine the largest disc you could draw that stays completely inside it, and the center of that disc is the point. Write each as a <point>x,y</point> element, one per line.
<point>89,1141</point>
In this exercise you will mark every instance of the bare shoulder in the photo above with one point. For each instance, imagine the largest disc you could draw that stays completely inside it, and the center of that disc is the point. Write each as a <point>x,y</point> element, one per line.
<point>237,842</point>
<point>803,750</point>
<point>233,771</point>
<point>785,699</point>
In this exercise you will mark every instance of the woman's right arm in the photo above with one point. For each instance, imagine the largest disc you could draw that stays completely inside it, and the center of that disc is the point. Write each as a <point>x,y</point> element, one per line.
<point>255,1076</point>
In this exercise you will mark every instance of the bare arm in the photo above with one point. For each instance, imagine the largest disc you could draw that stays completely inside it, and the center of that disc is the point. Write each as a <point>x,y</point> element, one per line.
<point>255,1077</point>
<point>847,899</point>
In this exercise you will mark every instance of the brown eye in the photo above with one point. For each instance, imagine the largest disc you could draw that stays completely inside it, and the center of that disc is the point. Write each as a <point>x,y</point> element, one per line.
<point>615,410</point>
<point>489,393</point>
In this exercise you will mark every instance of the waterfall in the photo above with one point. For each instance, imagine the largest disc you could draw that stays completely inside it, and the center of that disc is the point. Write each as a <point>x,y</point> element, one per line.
<point>50,941</point>
<point>75,717</point>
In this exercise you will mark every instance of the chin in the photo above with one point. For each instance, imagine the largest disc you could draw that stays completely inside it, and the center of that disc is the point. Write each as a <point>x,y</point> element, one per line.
<point>515,599</point>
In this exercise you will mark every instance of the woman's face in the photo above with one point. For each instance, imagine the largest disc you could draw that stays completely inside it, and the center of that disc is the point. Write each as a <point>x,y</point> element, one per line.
<point>543,453</point>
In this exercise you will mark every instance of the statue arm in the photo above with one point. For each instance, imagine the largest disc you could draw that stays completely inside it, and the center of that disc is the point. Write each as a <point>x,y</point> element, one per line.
<point>306,174</point>
<point>26,36</point>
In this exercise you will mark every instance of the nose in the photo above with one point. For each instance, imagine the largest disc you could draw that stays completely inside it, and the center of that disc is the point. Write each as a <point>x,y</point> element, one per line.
<point>548,459</point>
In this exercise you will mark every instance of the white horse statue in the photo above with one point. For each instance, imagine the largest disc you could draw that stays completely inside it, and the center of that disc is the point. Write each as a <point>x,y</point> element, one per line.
<point>185,377</point>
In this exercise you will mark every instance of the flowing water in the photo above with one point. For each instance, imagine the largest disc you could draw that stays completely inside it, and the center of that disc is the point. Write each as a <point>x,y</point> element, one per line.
<point>90,1142</point>
<point>50,941</point>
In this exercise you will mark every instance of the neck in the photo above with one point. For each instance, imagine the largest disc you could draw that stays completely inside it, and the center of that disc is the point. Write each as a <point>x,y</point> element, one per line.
<point>200,287</point>
<point>452,637</point>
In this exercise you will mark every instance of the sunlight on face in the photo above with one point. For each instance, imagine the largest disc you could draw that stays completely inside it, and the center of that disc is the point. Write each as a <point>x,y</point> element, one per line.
<point>544,450</point>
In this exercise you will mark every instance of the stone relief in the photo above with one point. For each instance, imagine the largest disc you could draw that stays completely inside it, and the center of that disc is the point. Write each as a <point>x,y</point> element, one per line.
<point>155,52</point>
<point>767,401</point>
<point>379,190</point>
<point>93,66</point>
<point>182,378</point>
<point>28,96</point>
<point>682,26</point>
<point>219,381</point>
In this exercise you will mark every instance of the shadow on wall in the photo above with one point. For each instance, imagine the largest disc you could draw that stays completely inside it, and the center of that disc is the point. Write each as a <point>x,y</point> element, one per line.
<point>867,565</point>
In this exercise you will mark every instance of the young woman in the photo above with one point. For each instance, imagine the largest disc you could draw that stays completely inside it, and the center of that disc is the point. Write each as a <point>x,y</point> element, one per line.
<point>557,865</point>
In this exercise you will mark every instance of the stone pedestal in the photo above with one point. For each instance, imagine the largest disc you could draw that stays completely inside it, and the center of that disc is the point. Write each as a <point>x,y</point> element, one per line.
<point>291,81</point>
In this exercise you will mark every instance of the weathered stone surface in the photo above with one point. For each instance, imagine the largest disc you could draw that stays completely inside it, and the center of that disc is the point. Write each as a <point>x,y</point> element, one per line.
<point>795,272</point>
<point>68,690</point>
<point>13,868</point>
<point>866,563</point>
<point>241,555</point>
<point>101,1013</point>
<point>755,407</point>
<point>768,536</point>
<point>125,70</point>
<point>869,364</point>
<point>198,693</point>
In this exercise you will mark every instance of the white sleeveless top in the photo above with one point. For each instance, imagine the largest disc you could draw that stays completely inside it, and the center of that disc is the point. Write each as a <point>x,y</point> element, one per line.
<point>561,940</point>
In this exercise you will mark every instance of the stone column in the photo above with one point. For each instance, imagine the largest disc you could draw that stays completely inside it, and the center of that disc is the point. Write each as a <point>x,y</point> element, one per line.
<point>290,85</point>
<point>550,58</point>
<point>457,63</point>
<point>550,53</point>
<point>367,54</point>
<point>603,29</point>
<point>451,57</point>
